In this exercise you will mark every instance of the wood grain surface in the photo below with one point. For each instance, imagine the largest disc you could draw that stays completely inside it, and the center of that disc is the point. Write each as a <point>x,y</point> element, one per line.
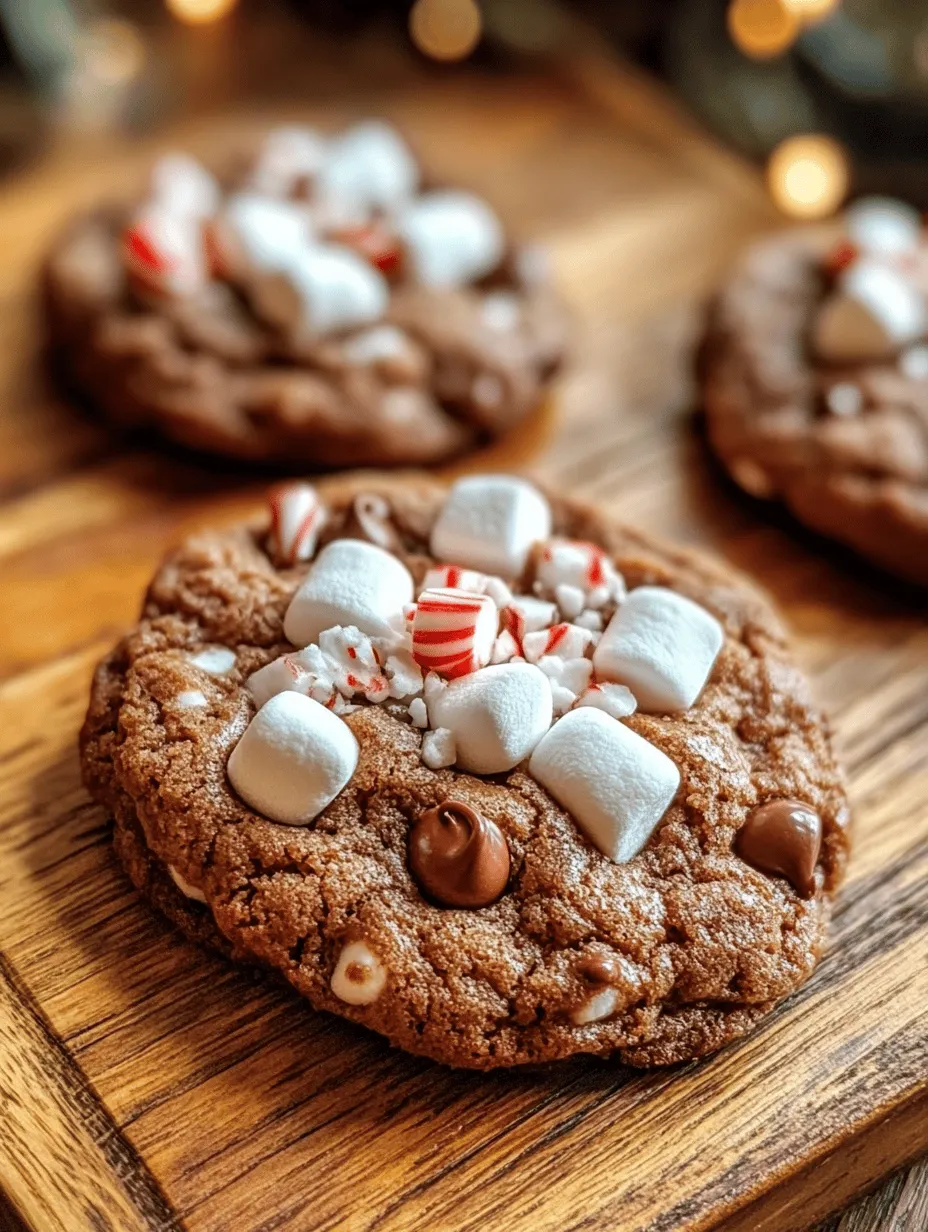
<point>146,1085</point>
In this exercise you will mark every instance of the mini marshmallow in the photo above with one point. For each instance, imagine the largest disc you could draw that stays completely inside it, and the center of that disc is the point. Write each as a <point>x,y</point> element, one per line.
<point>615,785</point>
<point>497,715</point>
<point>600,1005</point>
<point>564,640</point>
<point>453,631</point>
<point>615,699</point>
<point>190,891</point>
<point>214,660</point>
<point>438,748</point>
<point>662,646</point>
<point>583,567</point>
<point>368,169</point>
<point>874,312</point>
<point>359,977</point>
<point>453,577</point>
<point>322,289</point>
<point>297,516</point>
<point>254,233</point>
<point>351,582</point>
<point>418,713</point>
<point>489,522</point>
<point>164,252</point>
<point>451,238</point>
<point>883,227</point>
<point>184,186</point>
<point>289,156</point>
<point>293,759</point>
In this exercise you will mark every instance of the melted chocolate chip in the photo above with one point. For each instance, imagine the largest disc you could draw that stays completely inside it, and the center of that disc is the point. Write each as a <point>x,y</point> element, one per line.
<point>599,969</point>
<point>458,857</point>
<point>783,837</point>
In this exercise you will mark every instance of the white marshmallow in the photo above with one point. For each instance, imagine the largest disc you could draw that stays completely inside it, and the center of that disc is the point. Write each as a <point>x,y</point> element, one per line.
<point>368,169</point>
<point>438,748</point>
<point>615,785</point>
<point>874,312</point>
<point>320,290</point>
<point>254,233</point>
<point>288,155</point>
<point>496,715</point>
<point>293,759</point>
<point>359,976</point>
<point>297,517</point>
<point>184,186</point>
<point>351,582</point>
<point>598,1006</point>
<point>451,238</point>
<point>489,522</point>
<point>662,646</point>
<point>883,227</point>
<point>615,699</point>
<point>215,660</point>
<point>184,886</point>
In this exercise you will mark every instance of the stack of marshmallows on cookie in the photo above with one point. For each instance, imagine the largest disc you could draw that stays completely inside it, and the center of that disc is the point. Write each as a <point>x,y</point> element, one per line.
<point>521,648</point>
<point>877,305</point>
<point>315,236</point>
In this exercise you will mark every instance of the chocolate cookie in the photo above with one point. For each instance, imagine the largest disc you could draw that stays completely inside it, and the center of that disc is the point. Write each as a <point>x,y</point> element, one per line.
<point>318,304</point>
<point>490,774</point>
<point>815,381</point>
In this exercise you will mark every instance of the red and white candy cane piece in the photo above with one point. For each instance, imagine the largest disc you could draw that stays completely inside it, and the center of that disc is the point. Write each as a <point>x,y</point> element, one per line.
<point>296,519</point>
<point>453,631</point>
<point>566,641</point>
<point>375,244</point>
<point>184,186</point>
<point>164,252</point>
<point>455,578</point>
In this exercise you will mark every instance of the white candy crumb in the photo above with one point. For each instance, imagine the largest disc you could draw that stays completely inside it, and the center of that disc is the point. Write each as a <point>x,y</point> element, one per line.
<point>570,601</point>
<point>845,399</point>
<point>597,1007</point>
<point>217,660</point>
<point>433,685</point>
<point>498,591</point>
<point>438,748</point>
<point>191,699</point>
<point>615,699</point>
<point>504,648</point>
<point>418,712</point>
<point>359,976</point>
<point>590,620</point>
<point>404,673</point>
<point>914,363</point>
<point>501,311</point>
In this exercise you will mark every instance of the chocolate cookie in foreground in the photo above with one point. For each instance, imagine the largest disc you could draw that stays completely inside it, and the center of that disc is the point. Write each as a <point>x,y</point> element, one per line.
<point>320,304</point>
<point>815,381</point>
<point>489,773</point>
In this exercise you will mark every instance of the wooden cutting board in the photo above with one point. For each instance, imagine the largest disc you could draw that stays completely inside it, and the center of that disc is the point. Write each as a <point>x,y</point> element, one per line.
<point>146,1085</point>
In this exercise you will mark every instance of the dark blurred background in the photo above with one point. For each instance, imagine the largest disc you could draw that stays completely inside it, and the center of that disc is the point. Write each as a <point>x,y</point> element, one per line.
<point>758,73</point>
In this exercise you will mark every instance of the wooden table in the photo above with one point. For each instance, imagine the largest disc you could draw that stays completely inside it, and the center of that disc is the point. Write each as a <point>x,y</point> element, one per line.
<point>146,1085</point>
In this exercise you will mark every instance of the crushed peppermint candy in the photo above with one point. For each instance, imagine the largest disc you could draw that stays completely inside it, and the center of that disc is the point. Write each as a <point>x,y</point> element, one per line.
<point>438,748</point>
<point>579,576</point>
<point>616,699</point>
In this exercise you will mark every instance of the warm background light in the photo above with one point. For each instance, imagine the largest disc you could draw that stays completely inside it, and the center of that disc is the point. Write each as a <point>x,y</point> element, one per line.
<point>111,51</point>
<point>199,12</point>
<point>445,29</point>
<point>812,10</point>
<point>762,28</point>
<point>808,176</point>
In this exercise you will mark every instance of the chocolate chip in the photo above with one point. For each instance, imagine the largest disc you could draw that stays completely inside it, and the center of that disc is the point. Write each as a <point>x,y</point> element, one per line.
<point>599,969</point>
<point>458,857</point>
<point>783,837</point>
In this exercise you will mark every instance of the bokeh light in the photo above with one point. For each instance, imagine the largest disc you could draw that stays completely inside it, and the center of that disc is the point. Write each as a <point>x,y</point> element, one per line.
<point>111,51</point>
<point>200,12</point>
<point>762,28</point>
<point>445,29</point>
<point>808,176</point>
<point>812,10</point>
